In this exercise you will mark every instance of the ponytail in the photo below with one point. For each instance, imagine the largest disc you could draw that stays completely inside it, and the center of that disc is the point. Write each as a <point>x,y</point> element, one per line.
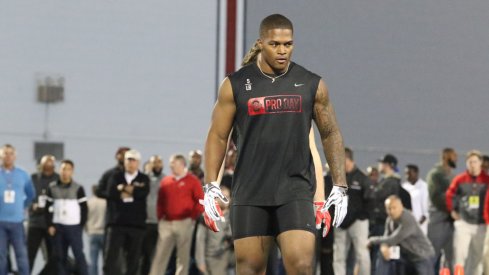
<point>252,55</point>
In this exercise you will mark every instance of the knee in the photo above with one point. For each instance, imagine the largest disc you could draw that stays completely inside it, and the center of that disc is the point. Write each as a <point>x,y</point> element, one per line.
<point>299,265</point>
<point>250,266</point>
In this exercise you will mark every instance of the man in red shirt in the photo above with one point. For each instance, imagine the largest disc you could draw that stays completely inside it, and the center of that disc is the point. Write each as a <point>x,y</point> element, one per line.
<point>465,201</point>
<point>177,208</point>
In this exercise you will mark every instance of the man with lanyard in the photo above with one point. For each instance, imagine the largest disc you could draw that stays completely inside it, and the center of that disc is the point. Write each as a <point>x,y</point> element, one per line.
<point>274,184</point>
<point>17,193</point>
<point>465,202</point>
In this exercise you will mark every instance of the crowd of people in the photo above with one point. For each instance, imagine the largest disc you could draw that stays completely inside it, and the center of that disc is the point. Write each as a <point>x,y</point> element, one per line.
<point>412,226</point>
<point>146,222</point>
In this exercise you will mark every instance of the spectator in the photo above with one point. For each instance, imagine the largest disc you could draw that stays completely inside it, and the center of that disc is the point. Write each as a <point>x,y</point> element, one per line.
<point>65,216</point>
<point>373,174</point>
<point>402,230</point>
<point>95,228</point>
<point>485,168</point>
<point>389,185</point>
<point>178,208</point>
<point>37,231</point>
<point>465,201</point>
<point>213,250</point>
<point>418,191</point>
<point>126,216</point>
<point>151,233</point>
<point>440,226</point>
<point>354,228</point>
<point>104,181</point>
<point>485,163</point>
<point>18,191</point>
<point>195,159</point>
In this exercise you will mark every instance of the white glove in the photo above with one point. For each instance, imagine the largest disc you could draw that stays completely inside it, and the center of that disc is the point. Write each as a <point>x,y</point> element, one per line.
<point>212,209</point>
<point>339,199</point>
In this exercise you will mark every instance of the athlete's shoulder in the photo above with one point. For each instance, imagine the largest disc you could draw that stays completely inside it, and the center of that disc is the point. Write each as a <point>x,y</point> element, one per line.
<point>243,71</point>
<point>302,70</point>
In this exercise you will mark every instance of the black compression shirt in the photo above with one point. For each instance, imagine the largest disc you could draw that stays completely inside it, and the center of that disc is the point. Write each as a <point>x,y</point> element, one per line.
<point>271,131</point>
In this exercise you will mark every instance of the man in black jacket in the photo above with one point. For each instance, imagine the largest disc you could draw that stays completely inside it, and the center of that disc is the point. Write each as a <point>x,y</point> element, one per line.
<point>126,216</point>
<point>104,180</point>
<point>354,228</point>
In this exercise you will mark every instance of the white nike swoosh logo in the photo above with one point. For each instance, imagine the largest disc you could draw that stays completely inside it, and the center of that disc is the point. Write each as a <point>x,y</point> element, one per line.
<point>298,85</point>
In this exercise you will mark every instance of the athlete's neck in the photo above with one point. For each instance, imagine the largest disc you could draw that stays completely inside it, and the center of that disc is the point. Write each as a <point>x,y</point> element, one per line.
<point>267,69</point>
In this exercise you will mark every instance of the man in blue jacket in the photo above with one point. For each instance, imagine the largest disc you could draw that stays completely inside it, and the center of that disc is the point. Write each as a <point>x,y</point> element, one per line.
<point>17,193</point>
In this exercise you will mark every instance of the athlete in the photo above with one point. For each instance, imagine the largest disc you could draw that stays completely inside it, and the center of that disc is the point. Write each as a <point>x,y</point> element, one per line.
<point>274,181</point>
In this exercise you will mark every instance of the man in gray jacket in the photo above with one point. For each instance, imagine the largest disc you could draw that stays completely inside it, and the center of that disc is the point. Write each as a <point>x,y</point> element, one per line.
<point>403,237</point>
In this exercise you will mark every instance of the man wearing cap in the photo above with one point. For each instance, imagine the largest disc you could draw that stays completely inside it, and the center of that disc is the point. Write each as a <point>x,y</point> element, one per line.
<point>465,201</point>
<point>126,216</point>
<point>391,179</point>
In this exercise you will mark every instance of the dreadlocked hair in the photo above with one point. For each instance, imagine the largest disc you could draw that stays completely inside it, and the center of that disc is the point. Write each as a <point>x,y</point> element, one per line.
<point>252,55</point>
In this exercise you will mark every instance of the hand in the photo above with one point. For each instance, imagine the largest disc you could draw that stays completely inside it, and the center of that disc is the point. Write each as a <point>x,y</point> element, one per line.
<point>455,215</point>
<point>35,206</point>
<point>212,209</point>
<point>51,230</point>
<point>211,224</point>
<point>129,188</point>
<point>339,199</point>
<point>322,216</point>
<point>386,253</point>
<point>202,268</point>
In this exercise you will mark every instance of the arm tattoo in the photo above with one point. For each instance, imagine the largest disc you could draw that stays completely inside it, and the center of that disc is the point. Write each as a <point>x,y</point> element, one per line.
<point>331,137</point>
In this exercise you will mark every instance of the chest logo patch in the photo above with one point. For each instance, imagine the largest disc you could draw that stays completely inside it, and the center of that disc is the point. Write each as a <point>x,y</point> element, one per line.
<point>274,105</point>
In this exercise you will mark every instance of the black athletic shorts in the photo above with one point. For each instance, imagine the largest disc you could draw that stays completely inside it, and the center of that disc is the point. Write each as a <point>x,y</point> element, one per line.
<point>248,220</point>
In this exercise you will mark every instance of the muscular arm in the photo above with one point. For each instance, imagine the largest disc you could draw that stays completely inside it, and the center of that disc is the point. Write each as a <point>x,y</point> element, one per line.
<point>217,138</point>
<point>318,168</point>
<point>331,138</point>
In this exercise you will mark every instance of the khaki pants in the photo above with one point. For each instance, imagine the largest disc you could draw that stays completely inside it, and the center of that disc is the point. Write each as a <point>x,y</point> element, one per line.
<point>171,234</point>
<point>468,239</point>
<point>485,262</point>
<point>357,234</point>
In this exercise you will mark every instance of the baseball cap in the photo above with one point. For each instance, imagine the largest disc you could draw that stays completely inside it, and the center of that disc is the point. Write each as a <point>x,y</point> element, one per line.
<point>194,152</point>
<point>389,159</point>
<point>132,154</point>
